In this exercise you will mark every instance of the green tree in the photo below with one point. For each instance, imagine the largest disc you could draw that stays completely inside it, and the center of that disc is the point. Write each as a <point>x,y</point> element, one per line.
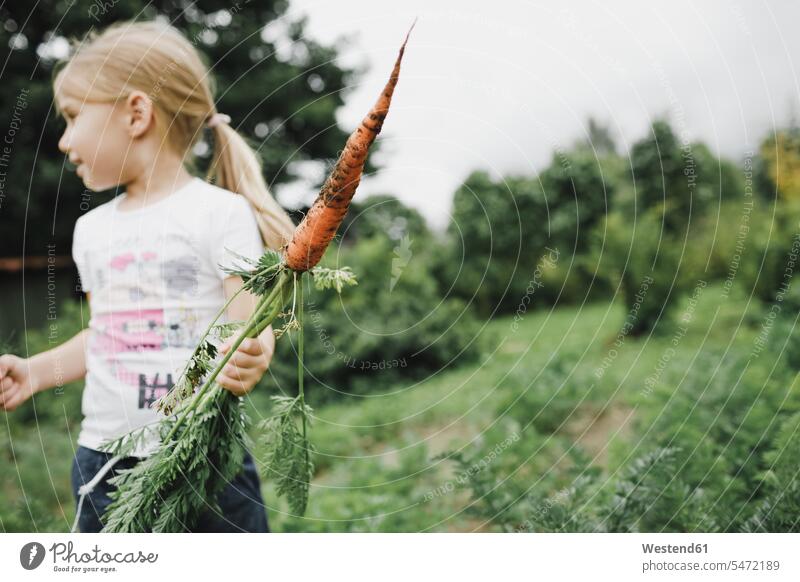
<point>599,138</point>
<point>500,231</point>
<point>654,241</point>
<point>578,195</point>
<point>779,155</point>
<point>384,215</point>
<point>657,170</point>
<point>675,181</point>
<point>495,238</point>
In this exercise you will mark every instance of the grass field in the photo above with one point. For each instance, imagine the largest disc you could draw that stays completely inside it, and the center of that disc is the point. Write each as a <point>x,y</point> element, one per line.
<point>561,385</point>
<point>377,469</point>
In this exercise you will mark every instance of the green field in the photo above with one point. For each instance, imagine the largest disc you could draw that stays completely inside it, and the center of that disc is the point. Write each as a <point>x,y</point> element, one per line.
<point>376,466</point>
<point>537,398</point>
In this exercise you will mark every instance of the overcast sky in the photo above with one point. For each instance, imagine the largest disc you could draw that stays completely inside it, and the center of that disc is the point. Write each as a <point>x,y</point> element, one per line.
<point>498,85</point>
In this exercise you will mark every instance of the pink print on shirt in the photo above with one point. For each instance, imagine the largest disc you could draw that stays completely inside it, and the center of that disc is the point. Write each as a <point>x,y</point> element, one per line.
<point>140,331</point>
<point>130,331</point>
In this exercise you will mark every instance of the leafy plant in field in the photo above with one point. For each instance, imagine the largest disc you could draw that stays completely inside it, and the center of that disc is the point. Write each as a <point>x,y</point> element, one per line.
<point>554,397</point>
<point>719,448</point>
<point>287,456</point>
<point>652,497</point>
<point>491,501</point>
<point>779,511</point>
<point>566,510</point>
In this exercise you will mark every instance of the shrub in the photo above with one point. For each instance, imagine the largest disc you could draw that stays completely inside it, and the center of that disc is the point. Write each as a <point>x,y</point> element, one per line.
<point>652,271</point>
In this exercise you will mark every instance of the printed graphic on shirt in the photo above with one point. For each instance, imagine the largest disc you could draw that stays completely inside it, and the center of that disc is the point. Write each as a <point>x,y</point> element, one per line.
<point>151,389</point>
<point>145,330</point>
<point>160,268</point>
<point>137,331</point>
<point>181,275</point>
<point>129,331</point>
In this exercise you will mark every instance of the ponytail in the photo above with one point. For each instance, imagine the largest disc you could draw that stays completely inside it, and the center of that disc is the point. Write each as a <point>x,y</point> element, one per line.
<point>237,168</point>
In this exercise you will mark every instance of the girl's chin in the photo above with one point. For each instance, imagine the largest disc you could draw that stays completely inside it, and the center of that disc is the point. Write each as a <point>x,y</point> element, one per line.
<point>94,185</point>
<point>90,185</point>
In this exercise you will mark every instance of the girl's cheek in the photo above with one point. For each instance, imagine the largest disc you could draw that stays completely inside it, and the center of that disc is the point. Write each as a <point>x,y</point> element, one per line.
<point>105,165</point>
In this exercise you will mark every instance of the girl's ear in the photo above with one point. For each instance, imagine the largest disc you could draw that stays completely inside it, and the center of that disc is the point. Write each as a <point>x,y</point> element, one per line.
<point>139,113</point>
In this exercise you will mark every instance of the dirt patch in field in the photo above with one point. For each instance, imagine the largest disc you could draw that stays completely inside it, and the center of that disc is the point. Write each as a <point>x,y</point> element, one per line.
<point>593,430</point>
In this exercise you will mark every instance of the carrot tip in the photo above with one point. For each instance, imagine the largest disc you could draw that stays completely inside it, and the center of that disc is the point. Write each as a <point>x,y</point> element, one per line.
<point>408,34</point>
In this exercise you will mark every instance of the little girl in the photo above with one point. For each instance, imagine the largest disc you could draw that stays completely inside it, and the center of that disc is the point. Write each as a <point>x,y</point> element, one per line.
<point>136,100</point>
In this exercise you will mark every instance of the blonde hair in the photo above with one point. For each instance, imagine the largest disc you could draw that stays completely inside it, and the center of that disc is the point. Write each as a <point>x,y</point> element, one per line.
<point>155,58</point>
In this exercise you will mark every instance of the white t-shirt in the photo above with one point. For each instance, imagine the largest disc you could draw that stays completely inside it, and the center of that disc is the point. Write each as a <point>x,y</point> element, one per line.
<point>155,280</point>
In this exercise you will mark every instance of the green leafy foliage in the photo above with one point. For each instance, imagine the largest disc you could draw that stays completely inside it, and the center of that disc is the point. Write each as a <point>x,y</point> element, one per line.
<point>779,511</point>
<point>287,451</point>
<point>497,232</point>
<point>168,490</point>
<point>563,511</point>
<point>650,497</point>
<point>198,366</point>
<point>671,178</point>
<point>652,272</point>
<point>500,229</point>
<point>257,275</point>
<point>579,192</point>
<point>325,278</point>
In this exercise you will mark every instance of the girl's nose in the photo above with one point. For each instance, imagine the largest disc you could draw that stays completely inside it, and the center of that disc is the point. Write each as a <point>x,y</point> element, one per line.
<point>63,144</point>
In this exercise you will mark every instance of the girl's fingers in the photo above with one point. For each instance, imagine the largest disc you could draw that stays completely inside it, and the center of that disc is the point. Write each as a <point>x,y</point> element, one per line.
<point>251,346</point>
<point>245,367</point>
<point>16,400</point>
<point>7,399</point>
<point>225,381</point>
<point>246,361</point>
<point>6,384</point>
<point>241,374</point>
<point>235,385</point>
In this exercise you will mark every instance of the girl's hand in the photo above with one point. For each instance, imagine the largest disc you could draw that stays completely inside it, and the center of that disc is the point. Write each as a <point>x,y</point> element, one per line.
<point>248,364</point>
<point>16,383</point>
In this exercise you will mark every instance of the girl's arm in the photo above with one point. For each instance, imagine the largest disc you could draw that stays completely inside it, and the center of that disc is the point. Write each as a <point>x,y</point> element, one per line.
<point>253,356</point>
<point>21,378</point>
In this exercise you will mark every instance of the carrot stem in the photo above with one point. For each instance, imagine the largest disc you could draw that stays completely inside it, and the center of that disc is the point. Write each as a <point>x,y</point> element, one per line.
<point>300,366</point>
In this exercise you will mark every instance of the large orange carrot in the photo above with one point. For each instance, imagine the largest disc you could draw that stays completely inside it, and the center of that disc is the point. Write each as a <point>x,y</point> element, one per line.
<point>319,226</point>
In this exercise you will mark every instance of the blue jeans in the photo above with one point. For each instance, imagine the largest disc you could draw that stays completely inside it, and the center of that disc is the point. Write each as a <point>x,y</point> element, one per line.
<point>241,502</point>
